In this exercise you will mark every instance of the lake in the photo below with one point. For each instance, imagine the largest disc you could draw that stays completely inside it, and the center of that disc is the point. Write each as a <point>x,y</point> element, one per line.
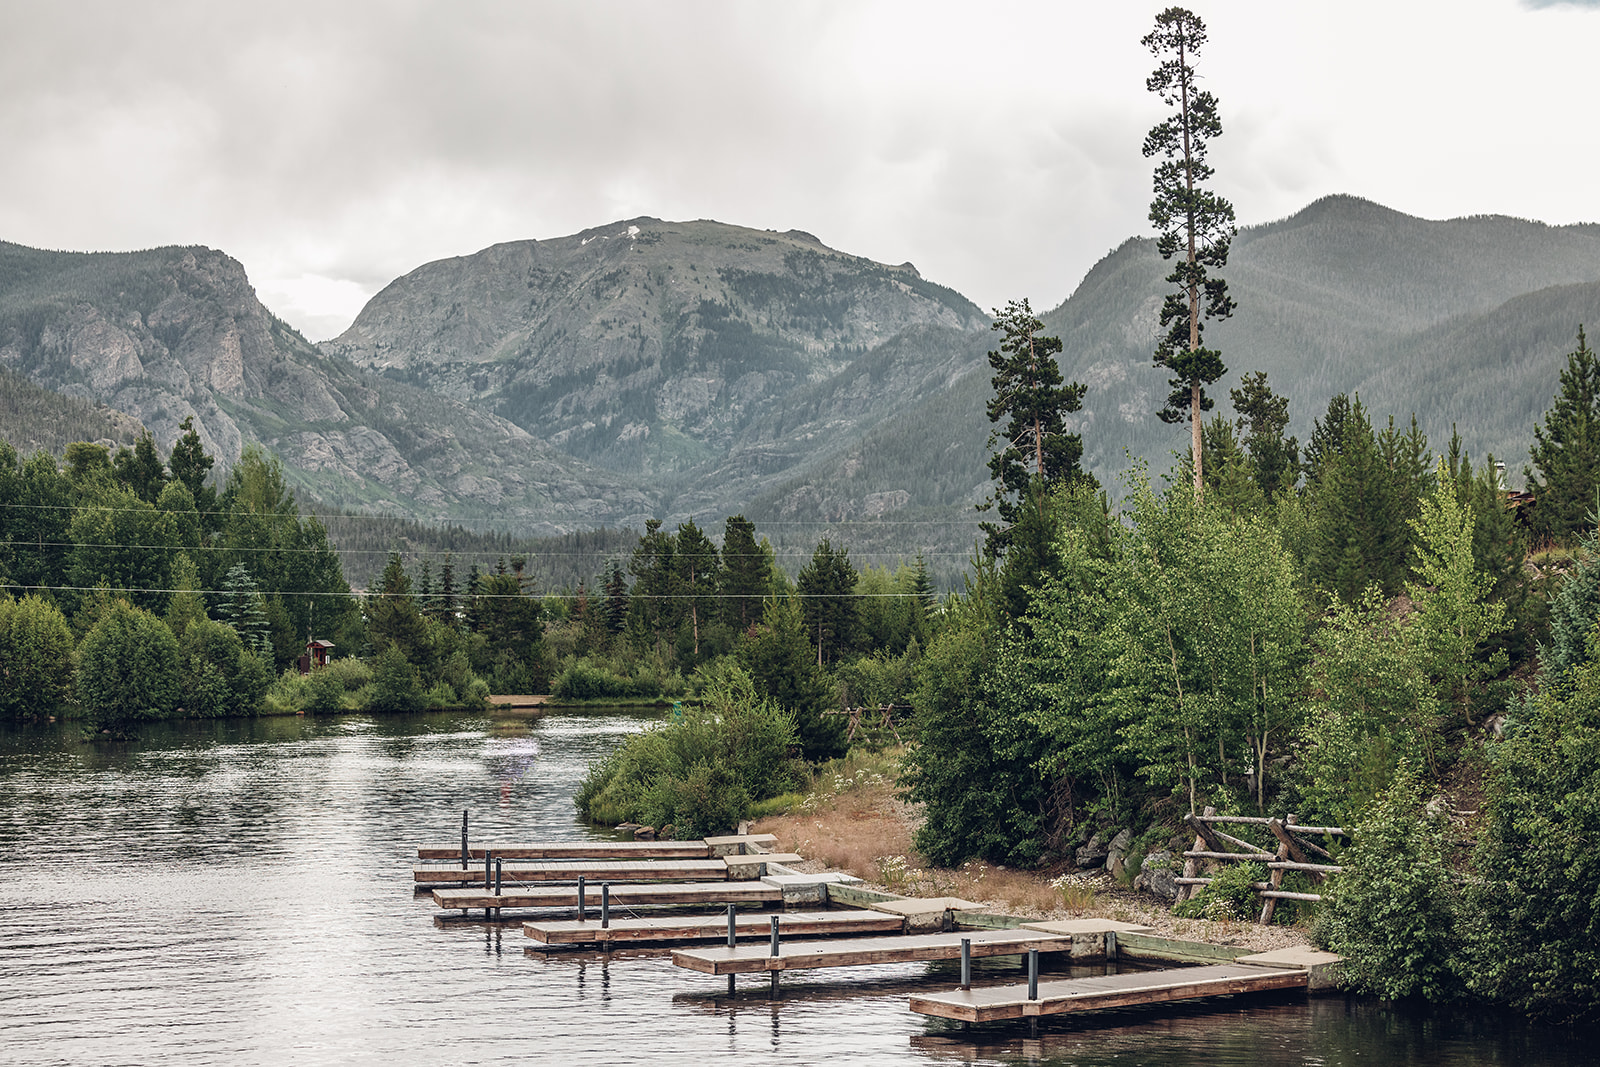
<point>239,892</point>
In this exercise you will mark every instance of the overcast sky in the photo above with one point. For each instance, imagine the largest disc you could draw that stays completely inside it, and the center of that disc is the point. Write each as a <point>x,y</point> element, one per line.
<point>333,146</point>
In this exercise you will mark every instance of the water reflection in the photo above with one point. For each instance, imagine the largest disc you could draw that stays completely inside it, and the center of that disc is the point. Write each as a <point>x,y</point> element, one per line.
<point>238,892</point>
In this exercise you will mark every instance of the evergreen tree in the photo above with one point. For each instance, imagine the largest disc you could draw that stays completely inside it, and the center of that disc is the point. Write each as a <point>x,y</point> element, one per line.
<point>447,591</point>
<point>393,618</point>
<point>187,606</point>
<point>1196,226</point>
<point>190,465</point>
<point>1327,436</point>
<point>242,608</point>
<point>699,579</point>
<point>653,609</point>
<point>746,574</point>
<point>1359,533</point>
<point>1566,453</point>
<point>827,588</point>
<point>616,591</point>
<point>778,656</point>
<point>1263,415</point>
<point>141,469</point>
<point>1028,393</point>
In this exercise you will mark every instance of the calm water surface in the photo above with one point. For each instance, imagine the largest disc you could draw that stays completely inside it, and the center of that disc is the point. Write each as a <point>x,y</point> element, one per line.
<point>240,893</point>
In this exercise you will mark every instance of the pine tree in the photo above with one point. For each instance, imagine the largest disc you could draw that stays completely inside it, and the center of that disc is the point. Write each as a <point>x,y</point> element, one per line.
<point>141,469</point>
<point>1196,226</point>
<point>699,578</point>
<point>1359,533</point>
<point>1567,449</point>
<point>827,602</point>
<point>190,465</point>
<point>746,574</point>
<point>243,609</point>
<point>1037,451</point>
<point>1274,461</point>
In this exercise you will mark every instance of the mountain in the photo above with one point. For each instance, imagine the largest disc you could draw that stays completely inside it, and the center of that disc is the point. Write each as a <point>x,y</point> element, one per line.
<point>695,369</point>
<point>648,347</point>
<point>35,418</point>
<point>1345,296</point>
<point>174,333</point>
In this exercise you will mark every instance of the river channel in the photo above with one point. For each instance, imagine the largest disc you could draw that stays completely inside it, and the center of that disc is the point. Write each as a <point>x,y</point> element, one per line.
<point>239,892</point>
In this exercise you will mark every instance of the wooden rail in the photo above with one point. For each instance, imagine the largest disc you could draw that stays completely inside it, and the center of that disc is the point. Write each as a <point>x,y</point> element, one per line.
<point>1293,854</point>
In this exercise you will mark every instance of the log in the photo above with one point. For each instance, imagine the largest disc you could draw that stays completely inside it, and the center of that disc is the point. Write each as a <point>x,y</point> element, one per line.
<point>1249,856</point>
<point>1242,843</point>
<point>1317,868</point>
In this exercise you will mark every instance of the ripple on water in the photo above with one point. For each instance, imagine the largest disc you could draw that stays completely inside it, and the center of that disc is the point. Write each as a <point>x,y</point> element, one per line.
<point>239,892</point>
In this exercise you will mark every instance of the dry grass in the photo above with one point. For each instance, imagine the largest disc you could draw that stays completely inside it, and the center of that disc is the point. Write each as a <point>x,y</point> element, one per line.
<point>853,820</point>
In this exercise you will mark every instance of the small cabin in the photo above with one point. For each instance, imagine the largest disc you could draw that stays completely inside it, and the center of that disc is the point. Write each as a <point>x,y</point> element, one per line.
<point>317,652</point>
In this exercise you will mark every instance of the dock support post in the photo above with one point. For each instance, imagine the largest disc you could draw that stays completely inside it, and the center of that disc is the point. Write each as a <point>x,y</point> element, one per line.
<point>774,954</point>
<point>966,963</point>
<point>605,905</point>
<point>487,883</point>
<point>465,861</point>
<point>499,870</point>
<point>731,941</point>
<point>581,916</point>
<point>1033,974</point>
<point>1111,946</point>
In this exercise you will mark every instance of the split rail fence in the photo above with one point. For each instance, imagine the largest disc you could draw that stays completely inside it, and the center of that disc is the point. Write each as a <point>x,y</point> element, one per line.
<point>1294,853</point>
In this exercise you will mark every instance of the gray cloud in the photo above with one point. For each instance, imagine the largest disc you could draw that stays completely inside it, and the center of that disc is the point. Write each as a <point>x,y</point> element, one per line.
<point>332,147</point>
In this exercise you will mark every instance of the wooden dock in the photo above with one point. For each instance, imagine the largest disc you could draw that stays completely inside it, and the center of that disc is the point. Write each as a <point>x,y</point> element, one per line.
<point>1111,991</point>
<point>622,896</point>
<point>559,850</point>
<point>711,927</point>
<point>862,952</point>
<point>595,871</point>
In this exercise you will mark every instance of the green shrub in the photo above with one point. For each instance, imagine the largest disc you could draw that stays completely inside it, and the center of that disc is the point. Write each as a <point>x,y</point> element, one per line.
<point>1390,914</point>
<point>128,666</point>
<point>1231,896</point>
<point>396,685</point>
<point>35,657</point>
<point>701,770</point>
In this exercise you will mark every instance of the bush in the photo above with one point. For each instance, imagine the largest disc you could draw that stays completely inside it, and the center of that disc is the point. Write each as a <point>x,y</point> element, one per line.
<point>35,657</point>
<point>1534,936</point>
<point>128,666</point>
<point>219,676</point>
<point>1230,897</point>
<point>396,685</point>
<point>1390,914</point>
<point>702,770</point>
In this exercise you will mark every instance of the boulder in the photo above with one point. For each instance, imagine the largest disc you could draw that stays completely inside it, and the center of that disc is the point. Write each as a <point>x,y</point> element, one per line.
<point>1159,874</point>
<point>1117,852</point>
<point>1093,854</point>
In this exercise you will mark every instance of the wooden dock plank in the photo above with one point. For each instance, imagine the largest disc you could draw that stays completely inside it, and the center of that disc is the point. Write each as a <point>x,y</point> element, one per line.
<point>861,952</point>
<point>596,871</point>
<point>625,896</point>
<point>558,850</point>
<point>1110,991</point>
<point>711,927</point>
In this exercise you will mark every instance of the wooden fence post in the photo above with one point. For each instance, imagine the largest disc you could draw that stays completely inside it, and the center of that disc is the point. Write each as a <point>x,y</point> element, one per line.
<point>1190,865</point>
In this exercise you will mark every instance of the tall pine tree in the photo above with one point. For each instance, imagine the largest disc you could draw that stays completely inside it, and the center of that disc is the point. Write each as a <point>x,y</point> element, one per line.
<point>1195,225</point>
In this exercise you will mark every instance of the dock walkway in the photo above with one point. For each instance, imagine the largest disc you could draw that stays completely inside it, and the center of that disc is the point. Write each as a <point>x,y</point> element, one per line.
<point>862,952</point>
<point>622,896</point>
<point>1111,991</point>
<point>670,928</point>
